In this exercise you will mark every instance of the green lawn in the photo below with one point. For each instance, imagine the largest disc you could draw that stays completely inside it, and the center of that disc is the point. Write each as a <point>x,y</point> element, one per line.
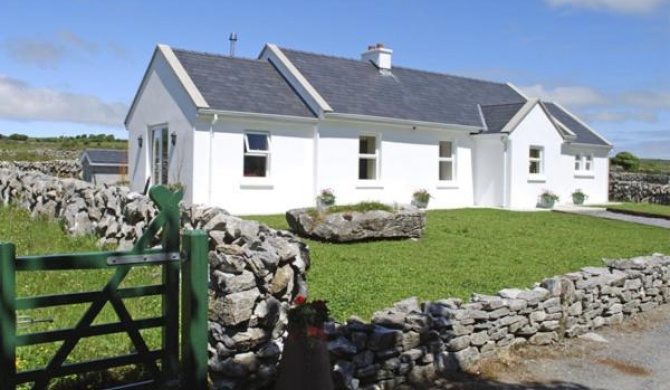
<point>36,237</point>
<point>465,251</point>
<point>646,208</point>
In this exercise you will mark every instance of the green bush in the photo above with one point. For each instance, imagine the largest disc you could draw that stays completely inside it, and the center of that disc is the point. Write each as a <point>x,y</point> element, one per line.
<point>626,160</point>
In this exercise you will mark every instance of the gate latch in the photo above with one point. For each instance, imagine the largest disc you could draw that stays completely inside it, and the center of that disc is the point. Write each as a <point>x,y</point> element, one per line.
<point>144,258</point>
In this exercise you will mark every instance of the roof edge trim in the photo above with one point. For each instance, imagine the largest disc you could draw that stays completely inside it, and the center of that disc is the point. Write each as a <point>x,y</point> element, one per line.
<point>182,75</point>
<point>276,52</point>
<point>583,124</point>
<point>257,116</point>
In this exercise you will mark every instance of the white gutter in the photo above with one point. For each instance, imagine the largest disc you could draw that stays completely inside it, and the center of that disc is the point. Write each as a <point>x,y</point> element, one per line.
<point>315,161</point>
<point>257,116</point>
<point>400,122</point>
<point>504,139</point>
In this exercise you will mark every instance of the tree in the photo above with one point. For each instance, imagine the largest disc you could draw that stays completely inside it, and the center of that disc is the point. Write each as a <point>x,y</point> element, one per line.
<point>626,160</point>
<point>18,137</point>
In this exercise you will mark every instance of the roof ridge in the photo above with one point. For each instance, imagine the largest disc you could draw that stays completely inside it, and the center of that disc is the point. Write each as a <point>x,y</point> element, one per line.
<point>394,67</point>
<point>504,104</point>
<point>218,55</point>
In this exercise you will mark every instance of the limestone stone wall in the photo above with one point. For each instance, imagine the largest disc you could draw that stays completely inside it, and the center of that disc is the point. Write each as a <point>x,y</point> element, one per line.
<point>640,187</point>
<point>58,168</point>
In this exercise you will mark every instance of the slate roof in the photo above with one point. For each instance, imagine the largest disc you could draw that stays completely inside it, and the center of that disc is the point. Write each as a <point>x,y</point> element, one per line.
<point>497,116</point>
<point>106,156</point>
<point>356,87</point>
<point>583,133</point>
<point>242,85</point>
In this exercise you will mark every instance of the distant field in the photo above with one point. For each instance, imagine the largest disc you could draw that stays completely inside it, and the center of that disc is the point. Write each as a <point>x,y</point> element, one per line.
<point>655,165</point>
<point>43,149</point>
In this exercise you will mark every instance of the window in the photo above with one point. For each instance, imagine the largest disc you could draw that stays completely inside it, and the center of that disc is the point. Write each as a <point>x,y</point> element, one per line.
<point>583,163</point>
<point>256,154</point>
<point>446,161</point>
<point>535,154</point>
<point>367,157</point>
<point>159,155</point>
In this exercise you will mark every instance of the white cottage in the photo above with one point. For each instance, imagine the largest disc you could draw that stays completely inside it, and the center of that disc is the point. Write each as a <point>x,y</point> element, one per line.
<point>260,136</point>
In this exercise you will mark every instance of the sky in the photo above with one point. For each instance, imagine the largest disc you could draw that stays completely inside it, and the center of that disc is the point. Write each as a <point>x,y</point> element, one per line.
<point>71,67</point>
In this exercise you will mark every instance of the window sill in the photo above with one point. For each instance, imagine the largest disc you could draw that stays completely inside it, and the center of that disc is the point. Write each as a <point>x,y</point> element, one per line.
<point>256,184</point>
<point>585,175</point>
<point>369,185</point>
<point>537,179</point>
<point>447,185</point>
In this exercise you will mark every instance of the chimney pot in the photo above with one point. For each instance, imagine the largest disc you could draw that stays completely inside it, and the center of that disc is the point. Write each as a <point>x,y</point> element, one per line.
<point>380,45</point>
<point>380,56</point>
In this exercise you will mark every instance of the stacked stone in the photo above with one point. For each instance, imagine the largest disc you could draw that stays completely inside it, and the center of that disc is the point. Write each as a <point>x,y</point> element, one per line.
<point>413,343</point>
<point>116,215</point>
<point>640,187</point>
<point>58,168</point>
<point>255,273</point>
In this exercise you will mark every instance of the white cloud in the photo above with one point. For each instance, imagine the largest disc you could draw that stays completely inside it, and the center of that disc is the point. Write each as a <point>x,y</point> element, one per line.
<point>620,116</point>
<point>20,101</point>
<point>620,6</point>
<point>570,96</point>
<point>42,54</point>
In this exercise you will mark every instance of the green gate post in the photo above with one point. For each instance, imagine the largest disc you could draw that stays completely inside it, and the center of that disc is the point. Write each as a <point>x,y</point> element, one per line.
<point>194,309</point>
<point>8,316</point>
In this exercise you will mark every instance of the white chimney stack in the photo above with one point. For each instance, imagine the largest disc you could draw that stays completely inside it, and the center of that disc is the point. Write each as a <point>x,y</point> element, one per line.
<point>379,55</point>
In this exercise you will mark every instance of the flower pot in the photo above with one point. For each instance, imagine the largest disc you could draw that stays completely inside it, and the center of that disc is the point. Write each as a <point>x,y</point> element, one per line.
<point>578,200</point>
<point>420,204</point>
<point>546,203</point>
<point>325,202</point>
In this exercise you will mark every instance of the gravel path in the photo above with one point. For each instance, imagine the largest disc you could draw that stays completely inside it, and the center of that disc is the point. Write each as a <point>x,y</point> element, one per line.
<point>602,213</point>
<point>634,356</point>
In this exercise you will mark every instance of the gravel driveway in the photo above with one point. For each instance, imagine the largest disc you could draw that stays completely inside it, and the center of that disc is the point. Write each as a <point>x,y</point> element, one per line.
<point>635,355</point>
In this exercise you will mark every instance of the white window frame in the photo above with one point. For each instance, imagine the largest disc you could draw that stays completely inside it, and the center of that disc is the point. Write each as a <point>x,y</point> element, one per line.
<point>375,156</point>
<point>539,160</point>
<point>248,152</point>
<point>584,164</point>
<point>161,134</point>
<point>451,159</point>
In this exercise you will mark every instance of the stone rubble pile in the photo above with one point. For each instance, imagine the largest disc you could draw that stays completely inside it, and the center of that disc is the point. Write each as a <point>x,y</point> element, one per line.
<point>412,343</point>
<point>58,168</point>
<point>350,226</point>
<point>640,187</point>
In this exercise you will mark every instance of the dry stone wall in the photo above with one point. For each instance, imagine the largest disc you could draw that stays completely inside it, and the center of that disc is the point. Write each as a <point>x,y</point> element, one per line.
<point>640,187</point>
<point>412,342</point>
<point>58,168</point>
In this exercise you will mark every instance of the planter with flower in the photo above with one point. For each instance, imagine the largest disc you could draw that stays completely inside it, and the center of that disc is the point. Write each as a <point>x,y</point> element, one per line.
<point>326,198</point>
<point>547,199</point>
<point>305,363</point>
<point>420,198</point>
<point>578,197</point>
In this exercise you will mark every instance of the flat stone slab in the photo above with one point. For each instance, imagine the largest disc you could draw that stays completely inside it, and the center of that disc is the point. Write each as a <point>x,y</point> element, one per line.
<point>351,226</point>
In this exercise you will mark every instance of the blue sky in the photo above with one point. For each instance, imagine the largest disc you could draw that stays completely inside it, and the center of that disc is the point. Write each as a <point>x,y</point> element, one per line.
<point>73,66</point>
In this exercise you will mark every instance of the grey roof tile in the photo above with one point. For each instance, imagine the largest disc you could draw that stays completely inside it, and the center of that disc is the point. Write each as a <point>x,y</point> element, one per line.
<point>356,87</point>
<point>583,133</point>
<point>497,116</point>
<point>106,156</point>
<point>241,85</point>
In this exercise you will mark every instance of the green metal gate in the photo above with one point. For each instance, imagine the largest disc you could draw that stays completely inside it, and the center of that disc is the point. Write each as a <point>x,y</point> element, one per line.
<point>163,365</point>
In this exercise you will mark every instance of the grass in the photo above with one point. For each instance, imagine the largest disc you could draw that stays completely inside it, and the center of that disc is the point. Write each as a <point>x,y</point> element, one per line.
<point>465,251</point>
<point>37,237</point>
<point>647,208</point>
<point>42,149</point>
<point>655,165</point>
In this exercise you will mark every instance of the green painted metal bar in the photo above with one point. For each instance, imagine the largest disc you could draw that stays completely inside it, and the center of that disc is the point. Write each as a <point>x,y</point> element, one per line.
<point>74,261</point>
<point>92,365</point>
<point>94,330</point>
<point>7,316</point>
<point>134,334</point>
<point>195,272</point>
<point>84,322</point>
<point>85,297</point>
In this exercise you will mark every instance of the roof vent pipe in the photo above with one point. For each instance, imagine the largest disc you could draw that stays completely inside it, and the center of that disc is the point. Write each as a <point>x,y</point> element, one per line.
<point>233,40</point>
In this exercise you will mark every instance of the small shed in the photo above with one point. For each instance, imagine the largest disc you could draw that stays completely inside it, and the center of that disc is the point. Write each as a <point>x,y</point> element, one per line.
<point>104,166</point>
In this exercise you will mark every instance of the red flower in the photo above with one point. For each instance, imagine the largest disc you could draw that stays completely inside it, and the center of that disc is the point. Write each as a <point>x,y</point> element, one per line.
<point>299,300</point>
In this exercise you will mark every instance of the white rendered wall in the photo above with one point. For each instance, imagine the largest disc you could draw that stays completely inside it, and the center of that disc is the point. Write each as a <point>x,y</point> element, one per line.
<point>289,185</point>
<point>535,130</point>
<point>408,160</point>
<point>489,171</point>
<point>595,184</point>
<point>161,101</point>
